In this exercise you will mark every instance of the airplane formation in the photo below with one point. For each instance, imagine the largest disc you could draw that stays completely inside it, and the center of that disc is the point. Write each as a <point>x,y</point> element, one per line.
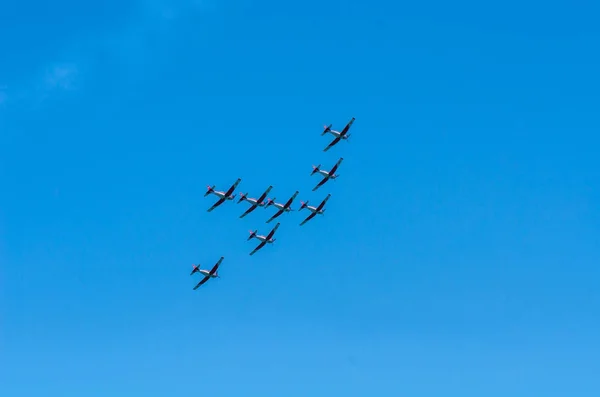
<point>265,202</point>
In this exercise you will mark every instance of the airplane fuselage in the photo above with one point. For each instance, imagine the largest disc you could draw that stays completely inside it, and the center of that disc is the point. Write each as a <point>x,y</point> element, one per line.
<point>326,174</point>
<point>221,195</point>
<point>314,209</point>
<point>255,202</point>
<point>264,238</point>
<point>207,272</point>
<point>281,207</point>
<point>337,134</point>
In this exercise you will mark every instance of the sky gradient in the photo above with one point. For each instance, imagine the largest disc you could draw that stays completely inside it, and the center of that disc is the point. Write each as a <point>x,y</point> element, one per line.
<point>459,252</point>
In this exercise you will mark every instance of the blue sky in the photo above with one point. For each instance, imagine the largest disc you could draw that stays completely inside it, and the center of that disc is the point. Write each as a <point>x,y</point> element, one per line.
<point>459,252</point>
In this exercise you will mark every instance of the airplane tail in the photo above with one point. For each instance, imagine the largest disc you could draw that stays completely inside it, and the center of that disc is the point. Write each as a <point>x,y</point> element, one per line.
<point>195,269</point>
<point>242,197</point>
<point>303,205</point>
<point>270,202</point>
<point>209,190</point>
<point>315,169</point>
<point>252,234</point>
<point>327,129</point>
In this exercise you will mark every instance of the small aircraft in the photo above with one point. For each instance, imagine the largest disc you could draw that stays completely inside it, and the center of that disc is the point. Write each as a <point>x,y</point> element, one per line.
<point>255,202</point>
<point>228,195</point>
<point>315,210</point>
<point>208,274</point>
<point>282,207</point>
<point>264,239</point>
<point>338,134</point>
<point>326,174</point>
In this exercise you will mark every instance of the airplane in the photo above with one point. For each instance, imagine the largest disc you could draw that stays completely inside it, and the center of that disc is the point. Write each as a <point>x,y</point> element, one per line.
<point>255,202</point>
<point>282,207</point>
<point>228,195</point>
<point>264,239</point>
<point>326,174</point>
<point>338,134</point>
<point>315,210</point>
<point>208,274</point>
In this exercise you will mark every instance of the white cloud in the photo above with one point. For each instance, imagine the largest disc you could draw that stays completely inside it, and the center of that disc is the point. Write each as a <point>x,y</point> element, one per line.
<point>129,46</point>
<point>61,76</point>
<point>50,80</point>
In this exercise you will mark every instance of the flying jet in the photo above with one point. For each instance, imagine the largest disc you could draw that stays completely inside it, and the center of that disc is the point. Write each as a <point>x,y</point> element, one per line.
<point>282,207</point>
<point>228,195</point>
<point>327,175</point>
<point>315,210</point>
<point>255,202</point>
<point>337,134</point>
<point>208,274</point>
<point>264,239</point>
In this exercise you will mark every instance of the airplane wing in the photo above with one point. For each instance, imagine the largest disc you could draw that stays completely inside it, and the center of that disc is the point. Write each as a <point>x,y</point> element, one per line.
<point>218,203</point>
<point>336,140</point>
<point>347,127</point>
<point>308,218</point>
<point>232,188</point>
<point>262,197</point>
<point>275,216</point>
<point>205,279</point>
<point>323,202</point>
<point>289,202</point>
<point>273,231</point>
<point>259,246</point>
<point>216,266</point>
<point>335,167</point>
<point>320,183</point>
<point>249,210</point>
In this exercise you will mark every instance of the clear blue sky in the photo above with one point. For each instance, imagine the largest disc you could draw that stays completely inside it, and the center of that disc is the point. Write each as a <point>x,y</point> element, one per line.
<point>460,251</point>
